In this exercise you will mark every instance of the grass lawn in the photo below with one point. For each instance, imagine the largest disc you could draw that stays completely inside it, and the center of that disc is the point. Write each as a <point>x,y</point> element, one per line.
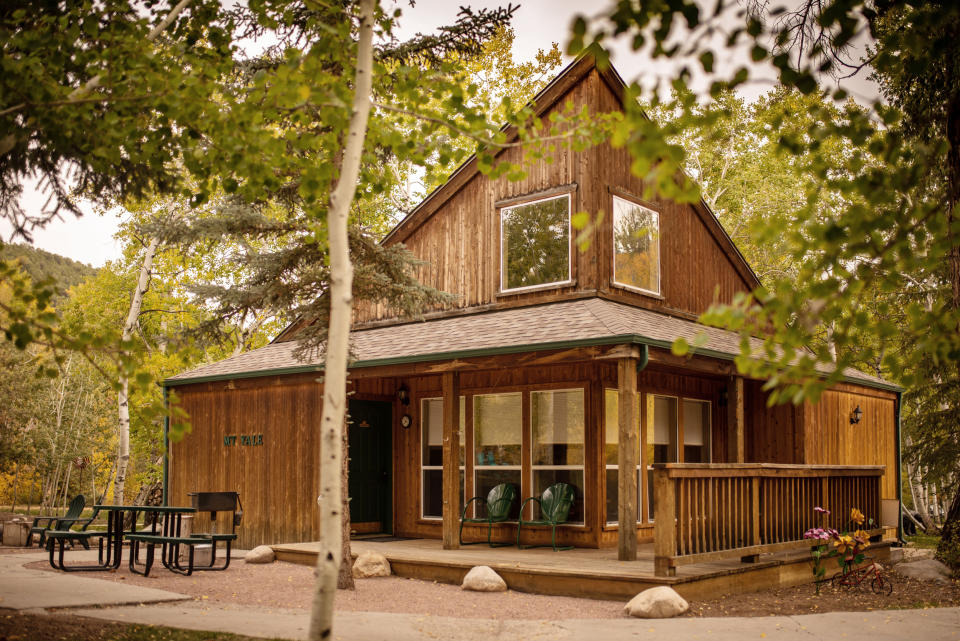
<point>925,541</point>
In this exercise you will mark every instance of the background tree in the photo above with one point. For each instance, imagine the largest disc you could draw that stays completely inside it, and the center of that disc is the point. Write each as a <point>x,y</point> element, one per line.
<point>899,180</point>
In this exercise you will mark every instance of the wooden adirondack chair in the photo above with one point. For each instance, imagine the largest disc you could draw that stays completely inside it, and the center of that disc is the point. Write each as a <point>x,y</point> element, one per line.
<point>498,503</point>
<point>43,523</point>
<point>555,504</point>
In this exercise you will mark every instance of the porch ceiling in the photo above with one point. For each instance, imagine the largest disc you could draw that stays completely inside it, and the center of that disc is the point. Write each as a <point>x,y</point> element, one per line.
<point>579,323</point>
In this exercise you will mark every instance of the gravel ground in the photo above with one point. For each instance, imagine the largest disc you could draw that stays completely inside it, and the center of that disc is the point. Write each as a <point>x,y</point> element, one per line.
<point>286,585</point>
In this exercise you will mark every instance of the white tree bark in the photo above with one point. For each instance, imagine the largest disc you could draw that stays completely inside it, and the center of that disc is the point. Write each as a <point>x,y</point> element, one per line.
<point>123,397</point>
<point>338,335</point>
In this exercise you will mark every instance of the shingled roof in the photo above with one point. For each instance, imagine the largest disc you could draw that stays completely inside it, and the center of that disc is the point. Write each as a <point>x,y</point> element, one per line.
<point>591,321</point>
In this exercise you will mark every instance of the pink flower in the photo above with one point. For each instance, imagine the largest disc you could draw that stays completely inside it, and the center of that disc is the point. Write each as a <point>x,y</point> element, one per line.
<point>820,510</point>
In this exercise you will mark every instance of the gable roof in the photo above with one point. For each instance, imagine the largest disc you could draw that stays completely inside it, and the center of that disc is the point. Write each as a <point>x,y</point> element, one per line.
<point>551,326</point>
<point>573,74</point>
<point>545,99</point>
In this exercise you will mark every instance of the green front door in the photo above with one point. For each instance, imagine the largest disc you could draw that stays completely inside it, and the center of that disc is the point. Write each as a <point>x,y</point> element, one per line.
<point>371,480</point>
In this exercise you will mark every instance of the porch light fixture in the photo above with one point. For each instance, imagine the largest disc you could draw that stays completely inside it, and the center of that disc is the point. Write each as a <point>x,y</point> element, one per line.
<point>403,395</point>
<point>855,416</point>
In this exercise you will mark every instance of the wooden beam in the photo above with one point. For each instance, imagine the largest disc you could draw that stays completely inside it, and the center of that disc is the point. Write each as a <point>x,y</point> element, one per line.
<point>701,364</point>
<point>627,459</point>
<point>665,524</point>
<point>736,451</point>
<point>451,459</point>
<point>497,362</point>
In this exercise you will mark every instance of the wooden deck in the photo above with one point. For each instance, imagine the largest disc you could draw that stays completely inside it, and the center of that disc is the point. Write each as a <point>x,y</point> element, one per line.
<point>579,572</point>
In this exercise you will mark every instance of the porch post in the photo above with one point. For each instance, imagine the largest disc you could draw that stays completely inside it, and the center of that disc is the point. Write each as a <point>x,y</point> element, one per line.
<point>736,451</point>
<point>451,459</point>
<point>627,459</point>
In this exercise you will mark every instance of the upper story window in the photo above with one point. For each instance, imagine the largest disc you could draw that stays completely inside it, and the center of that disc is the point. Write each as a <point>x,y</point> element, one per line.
<point>535,244</point>
<point>636,246</point>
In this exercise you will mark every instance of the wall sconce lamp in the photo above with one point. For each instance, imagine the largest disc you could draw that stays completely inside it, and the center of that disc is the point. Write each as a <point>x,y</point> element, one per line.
<point>856,415</point>
<point>403,395</point>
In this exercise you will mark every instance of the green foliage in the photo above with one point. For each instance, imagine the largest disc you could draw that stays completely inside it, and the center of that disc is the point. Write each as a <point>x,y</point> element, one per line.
<point>83,87</point>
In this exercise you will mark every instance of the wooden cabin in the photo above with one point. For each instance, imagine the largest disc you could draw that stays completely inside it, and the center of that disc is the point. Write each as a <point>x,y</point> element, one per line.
<point>553,365</point>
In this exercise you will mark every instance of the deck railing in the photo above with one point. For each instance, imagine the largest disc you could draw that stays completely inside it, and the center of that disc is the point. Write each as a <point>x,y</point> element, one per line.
<point>713,511</point>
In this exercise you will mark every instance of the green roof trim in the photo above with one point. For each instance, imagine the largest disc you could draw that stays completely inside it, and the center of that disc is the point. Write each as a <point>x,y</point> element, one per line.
<point>631,339</point>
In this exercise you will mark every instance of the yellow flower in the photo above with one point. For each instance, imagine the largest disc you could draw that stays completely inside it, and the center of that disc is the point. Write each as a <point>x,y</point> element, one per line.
<point>862,537</point>
<point>845,541</point>
<point>856,516</point>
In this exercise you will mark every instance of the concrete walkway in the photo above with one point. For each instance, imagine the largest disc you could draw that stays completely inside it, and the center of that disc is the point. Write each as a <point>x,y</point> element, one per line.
<point>22,589</point>
<point>930,625</point>
<point>37,590</point>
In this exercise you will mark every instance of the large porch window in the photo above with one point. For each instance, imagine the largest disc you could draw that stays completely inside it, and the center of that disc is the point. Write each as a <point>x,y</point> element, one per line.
<point>498,444</point>
<point>696,431</point>
<point>558,440</point>
<point>431,447</point>
<point>662,436</point>
<point>611,451</point>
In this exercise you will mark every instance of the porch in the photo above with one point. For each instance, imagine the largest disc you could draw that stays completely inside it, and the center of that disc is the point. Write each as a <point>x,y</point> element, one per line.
<point>582,572</point>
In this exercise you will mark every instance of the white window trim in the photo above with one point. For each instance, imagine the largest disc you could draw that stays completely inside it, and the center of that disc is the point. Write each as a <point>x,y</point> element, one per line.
<point>583,468</point>
<point>676,436</point>
<point>424,468</point>
<point>613,256</point>
<point>553,284</point>
<point>473,446</point>
<point>616,466</point>
<point>708,428</point>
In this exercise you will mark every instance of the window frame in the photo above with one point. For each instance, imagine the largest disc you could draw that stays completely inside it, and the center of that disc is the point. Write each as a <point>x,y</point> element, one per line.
<point>473,446</point>
<point>641,456</point>
<point>529,457</point>
<point>553,284</point>
<point>707,429</point>
<point>613,254</point>
<point>649,463</point>
<point>424,468</point>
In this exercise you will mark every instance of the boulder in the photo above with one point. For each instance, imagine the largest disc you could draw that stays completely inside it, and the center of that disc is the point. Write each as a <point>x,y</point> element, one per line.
<point>260,554</point>
<point>925,570</point>
<point>482,578</point>
<point>370,564</point>
<point>661,602</point>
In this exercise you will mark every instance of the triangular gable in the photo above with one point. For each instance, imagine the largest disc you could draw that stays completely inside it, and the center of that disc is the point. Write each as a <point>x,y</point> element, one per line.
<point>545,100</point>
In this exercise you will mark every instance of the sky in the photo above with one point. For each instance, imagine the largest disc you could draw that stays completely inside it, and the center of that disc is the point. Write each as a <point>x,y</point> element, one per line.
<point>537,24</point>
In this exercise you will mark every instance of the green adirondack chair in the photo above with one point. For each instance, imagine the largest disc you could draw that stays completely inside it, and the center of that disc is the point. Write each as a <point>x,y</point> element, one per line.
<point>43,523</point>
<point>555,504</point>
<point>497,503</point>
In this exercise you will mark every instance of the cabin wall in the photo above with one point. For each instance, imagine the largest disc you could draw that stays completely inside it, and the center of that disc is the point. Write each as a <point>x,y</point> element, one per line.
<point>277,481</point>
<point>831,439</point>
<point>460,242</point>
<point>695,270</point>
<point>771,434</point>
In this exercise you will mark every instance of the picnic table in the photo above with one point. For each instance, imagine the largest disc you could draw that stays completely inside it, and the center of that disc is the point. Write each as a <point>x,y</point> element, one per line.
<point>110,544</point>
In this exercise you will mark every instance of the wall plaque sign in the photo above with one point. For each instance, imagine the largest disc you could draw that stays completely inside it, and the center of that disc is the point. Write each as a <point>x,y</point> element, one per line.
<point>244,439</point>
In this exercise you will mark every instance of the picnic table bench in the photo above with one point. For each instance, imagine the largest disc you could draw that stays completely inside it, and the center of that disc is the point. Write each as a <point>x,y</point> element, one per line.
<point>170,551</point>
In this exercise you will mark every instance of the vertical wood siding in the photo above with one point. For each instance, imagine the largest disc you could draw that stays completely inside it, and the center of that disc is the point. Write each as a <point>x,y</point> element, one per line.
<point>831,439</point>
<point>277,481</point>
<point>460,242</point>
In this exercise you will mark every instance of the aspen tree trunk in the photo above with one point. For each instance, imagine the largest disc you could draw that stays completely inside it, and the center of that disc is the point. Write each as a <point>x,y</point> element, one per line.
<point>338,335</point>
<point>16,486</point>
<point>123,397</point>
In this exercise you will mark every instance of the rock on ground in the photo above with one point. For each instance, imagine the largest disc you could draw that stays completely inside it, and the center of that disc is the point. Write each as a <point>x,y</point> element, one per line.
<point>661,602</point>
<point>370,564</point>
<point>260,554</point>
<point>482,578</point>
<point>925,570</point>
